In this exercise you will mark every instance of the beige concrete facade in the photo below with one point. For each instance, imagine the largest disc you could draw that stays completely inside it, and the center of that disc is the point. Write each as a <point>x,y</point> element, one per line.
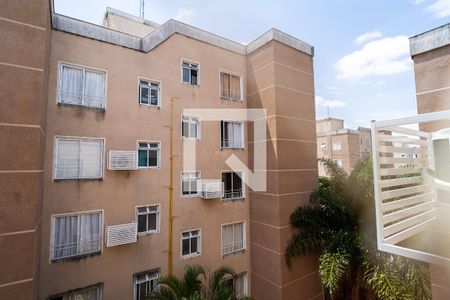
<point>344,146</point>
<point>430,52</point>
<point>276,76</point>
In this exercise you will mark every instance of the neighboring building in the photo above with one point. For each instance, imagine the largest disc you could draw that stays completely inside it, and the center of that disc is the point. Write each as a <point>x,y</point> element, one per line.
<point>344,146</point>
<point>85,160</point>
<point>430,52</point>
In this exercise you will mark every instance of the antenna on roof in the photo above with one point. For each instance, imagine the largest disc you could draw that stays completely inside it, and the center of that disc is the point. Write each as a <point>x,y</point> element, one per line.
<point>142,9</point>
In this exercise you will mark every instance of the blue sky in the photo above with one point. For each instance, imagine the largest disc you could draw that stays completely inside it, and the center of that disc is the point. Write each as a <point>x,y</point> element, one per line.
<point>363,70</point>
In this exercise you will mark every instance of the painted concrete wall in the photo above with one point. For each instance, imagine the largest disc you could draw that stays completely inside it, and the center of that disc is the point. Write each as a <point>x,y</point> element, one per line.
<point>25,32</point>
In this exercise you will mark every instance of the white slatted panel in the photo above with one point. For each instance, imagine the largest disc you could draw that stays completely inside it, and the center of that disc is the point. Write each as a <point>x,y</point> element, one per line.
<point>211,190</point>
<point>406,203</point>
<point>122,160</point>
<point>121,234</point>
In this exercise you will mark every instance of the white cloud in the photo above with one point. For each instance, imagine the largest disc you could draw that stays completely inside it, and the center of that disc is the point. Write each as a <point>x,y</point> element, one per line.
<point>368,36</point>
<point>416,2</point>
<point>322,102</point>
<point>184,14</point>
<point>384,56</point>
<point>440,8</point>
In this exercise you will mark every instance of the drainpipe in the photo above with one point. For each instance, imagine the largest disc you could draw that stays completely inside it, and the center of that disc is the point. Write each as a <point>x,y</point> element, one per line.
<point>170,250</point>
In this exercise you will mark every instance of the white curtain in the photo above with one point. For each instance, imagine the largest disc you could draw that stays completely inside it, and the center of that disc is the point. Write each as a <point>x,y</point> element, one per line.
<point>227,238</point>
<point>71,85</point>
<point>90,232</point>
<point>68,159</point>
<point>87,294</point>
<point>94,89</point>
<point>234,131</point>
<point>65,236</point>
<point>91,159</point>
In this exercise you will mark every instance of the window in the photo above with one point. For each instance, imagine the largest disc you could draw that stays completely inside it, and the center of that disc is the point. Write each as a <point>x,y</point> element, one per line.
<point>144,283</point>
<point>232,134</point>
<point>190,243</point>
<point>337,146</point>
<point>149,93</point>
<point>230,86</point>
<point>338,162</point>
<point>190,72</point>
<point>148,154</point>
<point>79,158</point>
<point>82,86</point>
<point>323,146</point>
<point>189,182</point>
<point>233,237</point>
<point>232,185</point>
<point>148,219</point>
<point>239,284</point>
<point>89,293</point>
<point>190,127</point>
<point>76,234</point>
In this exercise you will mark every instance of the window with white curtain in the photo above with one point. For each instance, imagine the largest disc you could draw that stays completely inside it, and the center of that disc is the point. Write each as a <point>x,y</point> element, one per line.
<point>82,86</point>
<point>232,185</point>
<point>149,93</point>
<point>233,237</point>
<point>189,182</point>
<point>144,283</point>
<point>148,219</point>
<point>232,135</point>
<point>190,127</point>
<point>79,158</point>
<point>76,234</point>
<point>89,293</point>
<point>190,243</point>
<point>239,284</point>
<point>230,86</point>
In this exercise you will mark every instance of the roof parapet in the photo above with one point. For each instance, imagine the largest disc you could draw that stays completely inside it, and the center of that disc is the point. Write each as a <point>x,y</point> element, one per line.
<point>166,30</point>
<point>430,40</point>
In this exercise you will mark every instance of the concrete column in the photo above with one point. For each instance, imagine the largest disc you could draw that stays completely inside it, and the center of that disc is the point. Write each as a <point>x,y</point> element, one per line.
<point>280,79</point>
<point>25,32</point>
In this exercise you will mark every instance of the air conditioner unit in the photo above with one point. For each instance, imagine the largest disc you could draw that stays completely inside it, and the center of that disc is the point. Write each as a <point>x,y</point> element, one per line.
<point>122,160</point>
<point>211,190</point>
<point>121,234</point>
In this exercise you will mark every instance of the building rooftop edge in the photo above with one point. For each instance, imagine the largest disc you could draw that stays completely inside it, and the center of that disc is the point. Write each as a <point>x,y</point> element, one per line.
<point>430,40</point>
<point>110,10</point>
<point>166,30</point>
<point>343,131</point>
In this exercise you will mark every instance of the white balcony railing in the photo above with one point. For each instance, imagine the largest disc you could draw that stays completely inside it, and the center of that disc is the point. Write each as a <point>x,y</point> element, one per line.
<point>411,175</point>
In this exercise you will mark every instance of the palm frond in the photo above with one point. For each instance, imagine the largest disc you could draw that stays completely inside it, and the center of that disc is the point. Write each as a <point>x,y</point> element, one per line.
<point>332,270</point>
<point>191,278</point>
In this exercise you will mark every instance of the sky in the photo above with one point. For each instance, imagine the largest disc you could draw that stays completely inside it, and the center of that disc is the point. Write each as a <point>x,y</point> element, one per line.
<point>362,67</point>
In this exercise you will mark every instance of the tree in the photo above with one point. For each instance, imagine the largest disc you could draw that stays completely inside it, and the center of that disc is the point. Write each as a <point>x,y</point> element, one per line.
<point>339,223</point>
<point>195,285</point>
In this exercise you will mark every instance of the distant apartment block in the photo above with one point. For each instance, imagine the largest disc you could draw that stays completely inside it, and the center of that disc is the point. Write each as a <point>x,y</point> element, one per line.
<point>430,52</point>
<point>85,161</point>
<point>342,145</point>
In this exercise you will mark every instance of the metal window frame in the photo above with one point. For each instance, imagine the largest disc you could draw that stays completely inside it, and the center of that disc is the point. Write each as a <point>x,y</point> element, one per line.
<point>222,131</point>
<point>243,187</point>
<point>244,237</point>
<point>158,158</point>
<point>190,122</point>
<point>159,89</point>
<point>158,218</point>
<point>199,243</point>
<point>241,85</point>
<point>198,182</point>
<point>190,62</point>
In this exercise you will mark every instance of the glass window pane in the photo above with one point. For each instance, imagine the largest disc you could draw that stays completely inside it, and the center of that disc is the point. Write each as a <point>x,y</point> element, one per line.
<point>68,159</point>
<point>194,245</point>
<point>152,221</point>
<point>154,97</point>
<point>142,158</point>
<point>193,130</point>
<point>193,185</point>
<point>185,234</point>
<point>142,223</point>
<point>185,74</point>
<point>185,246</point>
<point>71,85</point>
<point>185,129</point>
<point>194,77</point>
<point>153,158</point>
<point>144,95</point>
<point>185,187</point>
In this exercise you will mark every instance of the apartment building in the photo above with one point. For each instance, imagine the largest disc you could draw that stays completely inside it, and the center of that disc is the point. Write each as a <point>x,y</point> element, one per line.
<point>87,159</point>
<point>344,146</point>
<point>430,52</point>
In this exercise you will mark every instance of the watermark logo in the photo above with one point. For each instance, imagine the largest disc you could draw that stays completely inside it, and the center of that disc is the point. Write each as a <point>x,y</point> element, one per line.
<point>255,179</point>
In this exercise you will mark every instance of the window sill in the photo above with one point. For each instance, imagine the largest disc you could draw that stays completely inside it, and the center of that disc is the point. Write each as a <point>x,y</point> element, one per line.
<point>150,105</point>
<point>233,199</point>
<point>144,233</point>
<point>231,99</point>
<point>148,168</point>
<point>100,109</point>
<point>230,148</point>
<point>190,256</point>
<point>79,179</point>
<point>190,84</point>
<point>75,257</point>
<point>234,252</point>
<point>190,196</point>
